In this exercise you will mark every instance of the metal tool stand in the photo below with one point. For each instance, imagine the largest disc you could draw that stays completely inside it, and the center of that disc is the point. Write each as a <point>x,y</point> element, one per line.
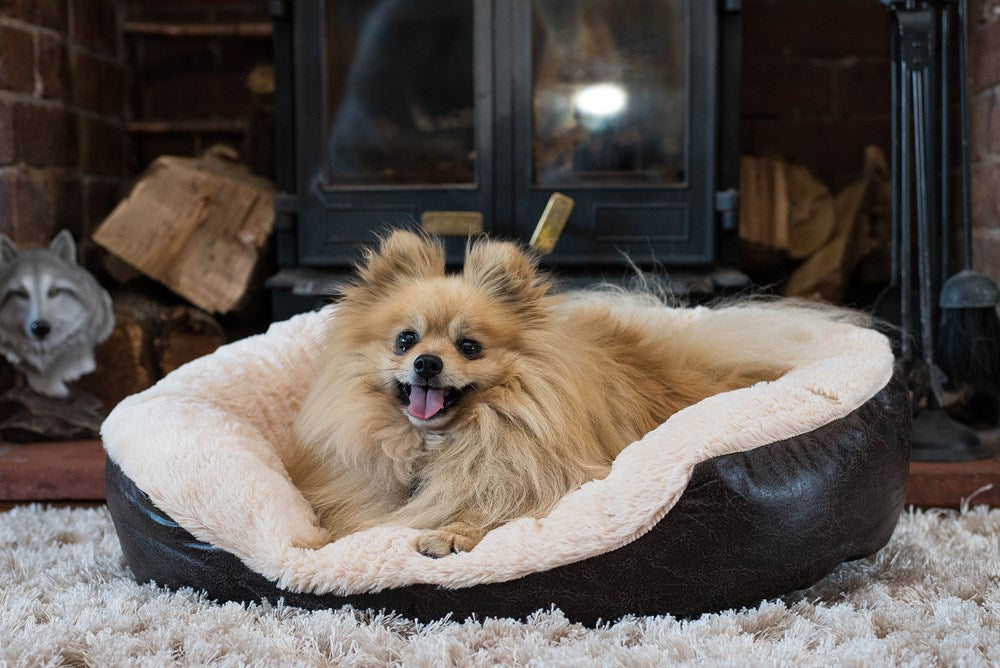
<point>921,80</point>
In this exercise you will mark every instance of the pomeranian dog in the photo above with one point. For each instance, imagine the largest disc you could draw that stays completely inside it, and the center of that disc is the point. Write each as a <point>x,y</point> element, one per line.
<point>454,403</point>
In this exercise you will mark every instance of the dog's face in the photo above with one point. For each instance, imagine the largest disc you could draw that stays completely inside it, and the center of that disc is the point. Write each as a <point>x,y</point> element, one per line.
<point>436,345</point>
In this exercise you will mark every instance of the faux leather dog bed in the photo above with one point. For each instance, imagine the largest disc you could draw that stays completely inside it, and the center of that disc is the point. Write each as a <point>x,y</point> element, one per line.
<point>746,495</point>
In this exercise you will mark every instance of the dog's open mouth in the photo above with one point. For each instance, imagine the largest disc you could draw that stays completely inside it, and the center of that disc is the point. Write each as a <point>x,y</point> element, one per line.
<point>425,402</point>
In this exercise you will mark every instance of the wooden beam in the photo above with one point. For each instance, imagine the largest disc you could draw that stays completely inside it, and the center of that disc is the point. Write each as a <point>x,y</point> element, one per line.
<point>248,30</point>
<point>190,127</point>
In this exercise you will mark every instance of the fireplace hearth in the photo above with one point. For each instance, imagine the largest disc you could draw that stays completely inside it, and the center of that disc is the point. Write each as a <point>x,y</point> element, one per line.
<point>466,115</point>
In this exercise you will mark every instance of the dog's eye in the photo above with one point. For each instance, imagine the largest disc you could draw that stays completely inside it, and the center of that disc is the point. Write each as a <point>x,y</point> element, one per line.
<point>55,292</point>
<point>469,348</point>
<point>20,294</point>
<point>405,340</point>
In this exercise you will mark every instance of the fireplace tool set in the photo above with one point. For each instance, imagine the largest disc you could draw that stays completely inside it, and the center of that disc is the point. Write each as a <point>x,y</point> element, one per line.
<point>962,348</point>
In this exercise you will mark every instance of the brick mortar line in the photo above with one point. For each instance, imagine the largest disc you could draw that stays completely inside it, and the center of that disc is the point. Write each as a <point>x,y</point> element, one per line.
<point>65,38</point>
<point>834,119</point>
<point>96,55</point>
<point>984,93</point>
<point>103,178</point>
<point>842,60</point>
<point>85,177</point>
<point>7,96</point>
<point>992,87</point>
<point>30,27</point>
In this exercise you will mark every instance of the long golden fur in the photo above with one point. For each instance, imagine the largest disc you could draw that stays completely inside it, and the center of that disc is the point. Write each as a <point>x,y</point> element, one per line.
<point>542,403</point>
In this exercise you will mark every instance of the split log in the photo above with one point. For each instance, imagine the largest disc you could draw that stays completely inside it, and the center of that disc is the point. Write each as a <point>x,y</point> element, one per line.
<point>783,207</point>
<point>827,271</point>
<point>150,340</point>
<point>30,416</point>
<point>125,362</point>
<point>198,226</point>
<point>764,203</point>
<point>186,334</point>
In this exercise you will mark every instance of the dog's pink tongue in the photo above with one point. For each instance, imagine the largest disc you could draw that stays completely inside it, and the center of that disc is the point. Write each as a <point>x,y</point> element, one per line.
<point>425,402</point>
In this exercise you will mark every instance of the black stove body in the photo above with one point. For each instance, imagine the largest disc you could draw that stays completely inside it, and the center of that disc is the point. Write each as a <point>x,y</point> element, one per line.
<point>461,116</point>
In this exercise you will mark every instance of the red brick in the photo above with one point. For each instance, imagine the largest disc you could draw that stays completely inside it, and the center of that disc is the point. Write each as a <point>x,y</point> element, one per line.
<point>8,185</point>
<point>67,206</point>
<point>42,135</point>
<point>95,25</point>
<point>146,148</point>
<point>986,197</point>
<point>949,484</point>
<point>53,67</point>
<point>61,470</point>
<point>984,126</point>
<point>153,54</point>
<point>101,197</point>
<point>986,252</point>
<point>779,87</point>
<point>102,147</point>
<point>817,28</point>
<point>245,11</point>
<point>244,51</point>
<point>17,60</point>
<point>170,13</point>
<point>984,59</point>
<point>197,10</point>
<point>863,87</point>
<point>214,93</point>
<point>984,11</point>
<point>39,202</point>
<point>45,13</point>
<point>36,135</point>
<point>832,149</point>
<point>156,54</point>
<point>99,85</point>
<point>6,134</point>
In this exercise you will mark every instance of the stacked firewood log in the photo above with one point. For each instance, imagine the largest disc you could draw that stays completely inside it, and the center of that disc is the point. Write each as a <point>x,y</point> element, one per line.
<point>150,340</point>
<point>198,227</point>
<point>812,242</point>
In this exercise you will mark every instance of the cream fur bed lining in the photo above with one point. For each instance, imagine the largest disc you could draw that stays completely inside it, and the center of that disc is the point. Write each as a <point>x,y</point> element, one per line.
<point>207,442</point>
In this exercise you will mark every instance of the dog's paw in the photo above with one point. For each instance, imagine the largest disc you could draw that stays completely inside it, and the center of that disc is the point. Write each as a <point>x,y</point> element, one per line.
<point>441,543</point>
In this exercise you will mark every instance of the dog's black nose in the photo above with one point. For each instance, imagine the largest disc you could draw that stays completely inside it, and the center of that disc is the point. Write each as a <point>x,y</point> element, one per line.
<point>40,329</point>
<point>427,366</point>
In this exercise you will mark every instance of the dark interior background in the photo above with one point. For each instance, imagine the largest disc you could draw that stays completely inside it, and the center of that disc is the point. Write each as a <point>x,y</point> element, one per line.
<point>90,94</point>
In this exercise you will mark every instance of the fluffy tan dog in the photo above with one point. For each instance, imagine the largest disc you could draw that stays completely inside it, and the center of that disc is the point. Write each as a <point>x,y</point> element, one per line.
<point>456,402</point>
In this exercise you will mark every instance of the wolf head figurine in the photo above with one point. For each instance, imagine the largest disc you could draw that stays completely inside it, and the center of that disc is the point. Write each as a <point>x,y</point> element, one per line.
<point>52,314</point>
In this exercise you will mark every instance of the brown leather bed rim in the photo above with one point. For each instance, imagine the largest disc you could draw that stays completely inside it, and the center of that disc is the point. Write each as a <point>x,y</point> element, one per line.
<point>750,526</point>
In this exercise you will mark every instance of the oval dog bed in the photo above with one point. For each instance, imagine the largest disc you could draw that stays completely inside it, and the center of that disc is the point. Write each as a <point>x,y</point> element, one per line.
<point>743,496</point>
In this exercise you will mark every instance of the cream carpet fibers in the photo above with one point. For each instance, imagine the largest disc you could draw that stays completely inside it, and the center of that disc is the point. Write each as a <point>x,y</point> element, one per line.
<point>931,597</point>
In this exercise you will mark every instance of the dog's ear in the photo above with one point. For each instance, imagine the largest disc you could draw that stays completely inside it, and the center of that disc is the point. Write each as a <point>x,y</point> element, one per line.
<point>402,255</point>
<point>8,249</point>
<point>505,270</point>
<point>64,246</point>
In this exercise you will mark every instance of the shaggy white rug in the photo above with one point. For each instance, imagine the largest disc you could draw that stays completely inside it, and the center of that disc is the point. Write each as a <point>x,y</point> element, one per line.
<point>931,597</point>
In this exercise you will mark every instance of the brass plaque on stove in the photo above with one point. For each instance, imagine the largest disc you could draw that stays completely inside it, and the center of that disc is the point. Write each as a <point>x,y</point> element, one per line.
<point>452,223</point>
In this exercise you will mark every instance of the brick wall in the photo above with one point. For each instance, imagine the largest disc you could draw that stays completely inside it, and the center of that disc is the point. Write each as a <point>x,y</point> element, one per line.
<point>816,82</point>
<point>177,80</point>
<point>984,66</point>
<point>815,88</point>
<point>62,116</point>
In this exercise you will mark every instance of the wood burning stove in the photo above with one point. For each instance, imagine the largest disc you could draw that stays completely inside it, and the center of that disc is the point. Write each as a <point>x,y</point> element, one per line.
<point>466,115</point>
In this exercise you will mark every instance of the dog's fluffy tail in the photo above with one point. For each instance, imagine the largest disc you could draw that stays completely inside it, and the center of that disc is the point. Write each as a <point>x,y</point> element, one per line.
<point>756,335</point>
<point>760,337</point>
